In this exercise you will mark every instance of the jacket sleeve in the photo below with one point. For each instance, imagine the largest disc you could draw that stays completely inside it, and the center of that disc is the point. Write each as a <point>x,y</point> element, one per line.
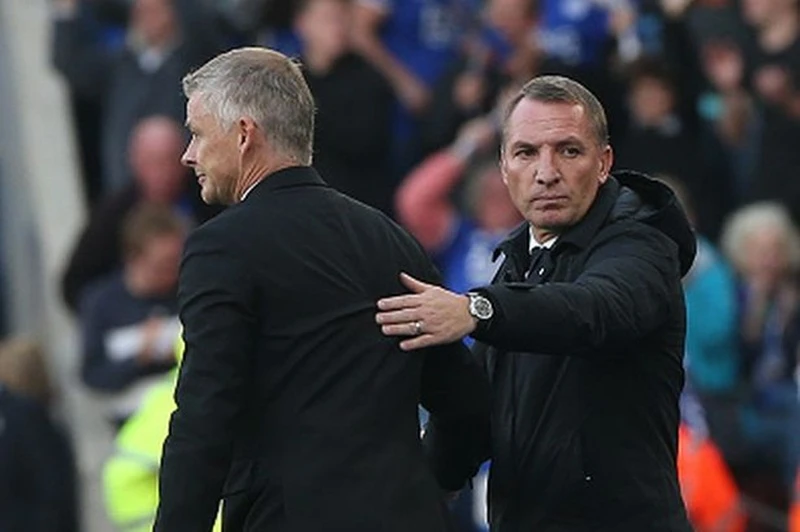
<point>456,394</point>
<point>627,290</point>
<point>217,309</point>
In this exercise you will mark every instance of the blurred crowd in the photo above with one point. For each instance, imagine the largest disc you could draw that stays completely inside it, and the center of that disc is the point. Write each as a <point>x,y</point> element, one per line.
<point>702,94</point>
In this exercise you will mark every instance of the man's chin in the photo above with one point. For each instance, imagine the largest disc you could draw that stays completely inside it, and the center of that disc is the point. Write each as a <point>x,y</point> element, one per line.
<point>208,197</point>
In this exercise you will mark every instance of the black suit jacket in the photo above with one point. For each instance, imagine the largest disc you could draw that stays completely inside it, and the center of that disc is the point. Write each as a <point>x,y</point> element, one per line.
<point>292,406</point>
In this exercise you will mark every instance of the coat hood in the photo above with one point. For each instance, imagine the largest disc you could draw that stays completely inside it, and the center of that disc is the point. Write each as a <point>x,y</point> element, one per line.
<point>653,203</point>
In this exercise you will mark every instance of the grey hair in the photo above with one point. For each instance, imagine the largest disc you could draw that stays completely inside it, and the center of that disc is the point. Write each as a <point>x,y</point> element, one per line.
<point>748,220</point>
<point>265,85</point>
<point>560,89</point>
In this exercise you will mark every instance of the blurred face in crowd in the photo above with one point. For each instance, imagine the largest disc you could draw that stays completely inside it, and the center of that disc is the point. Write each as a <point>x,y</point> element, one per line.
<point>155,158</point>
<point>513,18</point>
<point>154,21</point>
<point>651,101</point>
<point>157,264</point>
<point>766,260</point>
<point>762,12</point>
<point>494,209</point>
<point>553,164</point>
<point>323,25</point>
<point>212,153</point>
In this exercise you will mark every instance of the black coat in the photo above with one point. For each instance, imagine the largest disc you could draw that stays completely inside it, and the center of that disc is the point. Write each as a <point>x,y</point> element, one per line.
<point>585,364</point>
<point>292,406</point>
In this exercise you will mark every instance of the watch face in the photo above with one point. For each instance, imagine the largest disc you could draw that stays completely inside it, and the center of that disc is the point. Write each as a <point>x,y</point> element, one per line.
<point>481,308</point>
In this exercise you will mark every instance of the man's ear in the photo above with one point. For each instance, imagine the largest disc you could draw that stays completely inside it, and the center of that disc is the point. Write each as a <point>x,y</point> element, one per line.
<point>247,129</point>
<point>606,162</point>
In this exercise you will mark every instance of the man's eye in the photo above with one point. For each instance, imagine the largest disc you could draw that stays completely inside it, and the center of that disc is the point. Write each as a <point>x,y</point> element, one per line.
<point>572,151</point>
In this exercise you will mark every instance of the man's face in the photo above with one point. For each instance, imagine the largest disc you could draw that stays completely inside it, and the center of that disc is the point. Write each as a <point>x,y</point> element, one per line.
<point>155,160</point>
<point>651,101</point>
<point>154,21</point>
<point>324,25</point>
<point>552,164</point>
<point>212,153</point>
<point>158,264</point>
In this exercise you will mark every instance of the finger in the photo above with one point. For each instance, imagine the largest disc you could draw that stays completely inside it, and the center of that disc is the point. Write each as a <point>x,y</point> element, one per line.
<point>398,302</point>
<point>399,329</point>
<point>415,285</point>
<point>419,342</point>
<point>397,316</point>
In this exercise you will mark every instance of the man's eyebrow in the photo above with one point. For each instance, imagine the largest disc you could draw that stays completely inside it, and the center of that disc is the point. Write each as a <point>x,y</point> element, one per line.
<point>522,144</point>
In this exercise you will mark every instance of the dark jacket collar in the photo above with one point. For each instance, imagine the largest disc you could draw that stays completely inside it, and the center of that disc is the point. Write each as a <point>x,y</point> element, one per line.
<point>293,176</point>
<point>579,235</point>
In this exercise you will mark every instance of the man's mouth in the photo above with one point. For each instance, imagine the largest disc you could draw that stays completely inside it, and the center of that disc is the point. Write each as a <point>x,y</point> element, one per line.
<point>548,199</point>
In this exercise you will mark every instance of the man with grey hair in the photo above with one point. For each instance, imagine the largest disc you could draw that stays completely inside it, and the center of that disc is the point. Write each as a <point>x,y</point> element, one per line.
<point>292,407</point>
<point>581,333</point>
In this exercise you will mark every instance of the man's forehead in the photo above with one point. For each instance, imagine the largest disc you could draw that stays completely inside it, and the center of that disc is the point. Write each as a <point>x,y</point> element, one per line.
<point>537,119</point>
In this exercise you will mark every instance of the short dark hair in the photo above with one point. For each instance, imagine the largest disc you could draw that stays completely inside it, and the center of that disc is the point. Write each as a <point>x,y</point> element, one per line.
<point>560,89</point>
<point>147,221</point>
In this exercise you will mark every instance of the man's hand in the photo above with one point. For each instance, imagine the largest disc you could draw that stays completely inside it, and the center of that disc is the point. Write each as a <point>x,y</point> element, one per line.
<point>431,315</point>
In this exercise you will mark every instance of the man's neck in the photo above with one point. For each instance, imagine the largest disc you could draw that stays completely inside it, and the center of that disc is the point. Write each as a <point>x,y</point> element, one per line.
<point>541,238</point>
<point>257,173</point>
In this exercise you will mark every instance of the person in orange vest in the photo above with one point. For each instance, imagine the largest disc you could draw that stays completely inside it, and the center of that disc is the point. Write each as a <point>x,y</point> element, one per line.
<point>794,515</point>
<point>709,491</point>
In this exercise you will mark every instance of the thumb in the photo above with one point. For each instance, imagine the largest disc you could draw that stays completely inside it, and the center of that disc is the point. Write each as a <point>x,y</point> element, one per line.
<point>413,284</point>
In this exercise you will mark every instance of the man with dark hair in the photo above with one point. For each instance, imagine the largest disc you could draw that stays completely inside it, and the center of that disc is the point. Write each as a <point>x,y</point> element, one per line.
<point>581,333</point>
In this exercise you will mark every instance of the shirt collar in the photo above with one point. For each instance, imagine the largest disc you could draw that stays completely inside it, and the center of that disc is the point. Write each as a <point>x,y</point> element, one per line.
<point>533,243</point>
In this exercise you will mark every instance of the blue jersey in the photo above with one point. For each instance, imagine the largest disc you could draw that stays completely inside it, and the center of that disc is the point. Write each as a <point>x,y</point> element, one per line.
<point>466,262</point>
<point>574,32</point>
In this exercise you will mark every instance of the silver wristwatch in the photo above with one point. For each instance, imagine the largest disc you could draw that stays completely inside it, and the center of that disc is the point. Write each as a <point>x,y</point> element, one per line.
<point>480,307</point>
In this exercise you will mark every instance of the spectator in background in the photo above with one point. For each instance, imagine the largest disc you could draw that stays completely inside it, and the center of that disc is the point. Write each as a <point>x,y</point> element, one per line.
<point>576,38</point>
<point>129,319</point>
<point>130,475</point>
<point>353,120</point>
<point>773,61</point>
<point>38,490</point>
<point>159,178</point>
<point>713,359</point>
<point>726,110</point>
<point>660,141</point>
<point>794,517</point>
<point>461,241</point>
<point>166,38</point>
<point>760,81</point>
<point>411,44</point>
<point>707,485</point>
<point>500,51</point>
<point>764,247</point>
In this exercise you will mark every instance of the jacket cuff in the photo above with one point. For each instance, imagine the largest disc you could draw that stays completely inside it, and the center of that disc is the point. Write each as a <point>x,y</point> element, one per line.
<point>484,327</point>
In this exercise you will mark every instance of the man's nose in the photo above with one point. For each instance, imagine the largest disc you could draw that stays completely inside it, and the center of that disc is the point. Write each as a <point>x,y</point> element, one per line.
<point>546,171</point>
<point>187,159</point>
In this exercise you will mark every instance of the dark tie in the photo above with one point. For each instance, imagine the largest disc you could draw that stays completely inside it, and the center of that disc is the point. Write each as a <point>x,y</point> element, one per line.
<point>538,264</point>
